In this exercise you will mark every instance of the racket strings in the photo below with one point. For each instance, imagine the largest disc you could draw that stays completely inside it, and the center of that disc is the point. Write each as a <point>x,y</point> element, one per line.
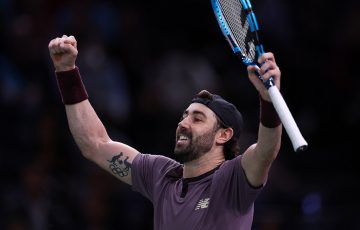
<point>237,21</point>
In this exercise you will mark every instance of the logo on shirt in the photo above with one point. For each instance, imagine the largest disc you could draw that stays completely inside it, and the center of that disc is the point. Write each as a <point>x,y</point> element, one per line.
<point>203,203</point>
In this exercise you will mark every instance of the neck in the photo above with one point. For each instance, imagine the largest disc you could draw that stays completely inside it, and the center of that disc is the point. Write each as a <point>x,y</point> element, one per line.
<point>202,165</point>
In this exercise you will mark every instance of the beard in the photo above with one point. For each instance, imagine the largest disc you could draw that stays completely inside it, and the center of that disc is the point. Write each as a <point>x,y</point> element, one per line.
<point>195,148</point>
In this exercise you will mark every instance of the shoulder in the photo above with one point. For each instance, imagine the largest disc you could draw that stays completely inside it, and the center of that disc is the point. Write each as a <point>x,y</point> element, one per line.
<point>231,174</point>
<point>157,163</point>
<point>233,164</point>
<point>153,159</point>
<point>231,170</point>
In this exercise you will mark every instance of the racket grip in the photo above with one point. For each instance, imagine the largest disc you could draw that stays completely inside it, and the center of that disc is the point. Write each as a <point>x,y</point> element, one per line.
<point>298,142</point>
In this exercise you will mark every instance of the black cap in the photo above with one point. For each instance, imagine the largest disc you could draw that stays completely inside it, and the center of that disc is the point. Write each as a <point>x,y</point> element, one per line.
<point>226,111</point>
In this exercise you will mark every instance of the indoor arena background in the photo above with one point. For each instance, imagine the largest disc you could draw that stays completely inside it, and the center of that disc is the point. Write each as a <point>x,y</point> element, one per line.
<point>142,61</point>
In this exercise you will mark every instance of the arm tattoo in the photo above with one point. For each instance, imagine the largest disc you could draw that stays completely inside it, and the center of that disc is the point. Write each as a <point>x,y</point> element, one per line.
<point>119,165</point>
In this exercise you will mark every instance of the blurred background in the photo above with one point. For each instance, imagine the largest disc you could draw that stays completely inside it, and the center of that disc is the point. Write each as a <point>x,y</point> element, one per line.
<point>142,62</point>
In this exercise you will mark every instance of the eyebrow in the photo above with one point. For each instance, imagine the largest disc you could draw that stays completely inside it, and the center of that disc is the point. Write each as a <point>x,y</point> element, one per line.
<point>195,112</point>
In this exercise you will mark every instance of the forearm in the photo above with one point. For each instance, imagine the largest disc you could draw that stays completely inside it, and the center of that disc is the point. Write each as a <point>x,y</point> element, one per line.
<point>85,126</point>
<point>268,144</point>
<point>269,135</point>
<point>88,131</point>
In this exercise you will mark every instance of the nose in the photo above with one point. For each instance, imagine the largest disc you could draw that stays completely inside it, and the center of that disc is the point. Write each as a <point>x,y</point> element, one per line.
<point>184,123</point>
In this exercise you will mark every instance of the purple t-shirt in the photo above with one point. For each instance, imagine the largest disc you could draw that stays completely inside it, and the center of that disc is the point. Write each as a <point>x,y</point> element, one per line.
<point>220,199</point>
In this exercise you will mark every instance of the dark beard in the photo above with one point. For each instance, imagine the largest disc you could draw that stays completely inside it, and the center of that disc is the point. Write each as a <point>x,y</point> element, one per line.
<point>196,147</point>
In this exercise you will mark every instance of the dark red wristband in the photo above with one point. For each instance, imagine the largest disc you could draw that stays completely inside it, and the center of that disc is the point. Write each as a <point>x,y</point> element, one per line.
<point>268,115</point>
<point>71,87</point>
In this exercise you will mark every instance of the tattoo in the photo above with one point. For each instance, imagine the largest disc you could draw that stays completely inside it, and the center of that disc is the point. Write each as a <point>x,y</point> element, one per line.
<point>119,165</point>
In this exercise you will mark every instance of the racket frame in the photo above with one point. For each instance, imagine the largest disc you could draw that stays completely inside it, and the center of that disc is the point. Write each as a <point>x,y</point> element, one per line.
<point>298,142</point>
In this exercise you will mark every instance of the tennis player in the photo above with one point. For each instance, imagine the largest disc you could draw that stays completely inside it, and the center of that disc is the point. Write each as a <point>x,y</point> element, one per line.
<point>210,185</point>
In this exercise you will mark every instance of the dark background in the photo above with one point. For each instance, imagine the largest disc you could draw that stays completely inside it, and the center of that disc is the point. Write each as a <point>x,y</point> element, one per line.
<point>142,61</point>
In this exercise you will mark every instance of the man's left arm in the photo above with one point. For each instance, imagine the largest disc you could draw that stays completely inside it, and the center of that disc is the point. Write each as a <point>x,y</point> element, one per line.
<point>258,158</point>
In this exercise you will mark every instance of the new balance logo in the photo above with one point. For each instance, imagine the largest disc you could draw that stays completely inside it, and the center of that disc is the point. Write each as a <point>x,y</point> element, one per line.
<point>203,203</point>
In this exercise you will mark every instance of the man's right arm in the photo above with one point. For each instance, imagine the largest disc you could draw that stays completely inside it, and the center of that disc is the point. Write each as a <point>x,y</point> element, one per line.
<point>91,137</point>
<point>88,131</point>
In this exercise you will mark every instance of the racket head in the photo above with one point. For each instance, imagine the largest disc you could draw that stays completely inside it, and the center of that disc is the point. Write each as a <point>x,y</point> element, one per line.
<point>239,26</point>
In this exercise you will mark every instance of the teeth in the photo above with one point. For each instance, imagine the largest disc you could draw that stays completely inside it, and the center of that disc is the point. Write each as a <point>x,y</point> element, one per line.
<point>182,137</point>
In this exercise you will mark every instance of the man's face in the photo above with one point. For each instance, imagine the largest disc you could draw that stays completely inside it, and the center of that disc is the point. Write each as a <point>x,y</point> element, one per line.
<point>195,133</point>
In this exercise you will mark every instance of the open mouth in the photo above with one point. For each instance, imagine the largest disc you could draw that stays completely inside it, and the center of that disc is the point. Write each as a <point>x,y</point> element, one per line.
<point>181,139</point>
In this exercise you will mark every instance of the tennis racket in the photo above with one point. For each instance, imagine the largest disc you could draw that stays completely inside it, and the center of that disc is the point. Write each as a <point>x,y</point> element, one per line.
<point>241,30</point>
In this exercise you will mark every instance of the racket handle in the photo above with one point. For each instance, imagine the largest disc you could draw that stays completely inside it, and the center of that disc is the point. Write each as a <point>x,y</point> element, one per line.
<point>297,140</point>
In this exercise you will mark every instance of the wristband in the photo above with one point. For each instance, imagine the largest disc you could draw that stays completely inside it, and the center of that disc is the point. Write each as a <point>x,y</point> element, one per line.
<point>71,87</point>
<point>268,115</point>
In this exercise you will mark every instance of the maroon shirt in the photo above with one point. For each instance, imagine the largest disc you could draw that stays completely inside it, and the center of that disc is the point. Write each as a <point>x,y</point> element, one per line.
<point>220,199</point>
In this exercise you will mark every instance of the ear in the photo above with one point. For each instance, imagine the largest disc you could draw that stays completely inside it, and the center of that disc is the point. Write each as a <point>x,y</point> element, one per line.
<point>224,135</point>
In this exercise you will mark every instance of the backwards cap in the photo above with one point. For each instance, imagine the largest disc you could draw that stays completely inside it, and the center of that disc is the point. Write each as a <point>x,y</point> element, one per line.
<point>226,111</point>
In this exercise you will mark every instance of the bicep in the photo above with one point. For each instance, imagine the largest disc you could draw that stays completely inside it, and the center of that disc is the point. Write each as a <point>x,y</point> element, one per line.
<point>116,158</point>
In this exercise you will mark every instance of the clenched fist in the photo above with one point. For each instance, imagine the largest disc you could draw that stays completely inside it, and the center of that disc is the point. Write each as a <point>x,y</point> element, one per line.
<point>63,52</point>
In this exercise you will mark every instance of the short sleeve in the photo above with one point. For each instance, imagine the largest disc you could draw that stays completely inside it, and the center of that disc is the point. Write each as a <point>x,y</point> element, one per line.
<point>231,180</point>
<point>150,173</point>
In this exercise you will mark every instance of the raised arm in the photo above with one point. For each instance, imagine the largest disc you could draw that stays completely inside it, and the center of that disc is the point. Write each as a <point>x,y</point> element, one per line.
<point>258,157</point>
<point>88,131</point>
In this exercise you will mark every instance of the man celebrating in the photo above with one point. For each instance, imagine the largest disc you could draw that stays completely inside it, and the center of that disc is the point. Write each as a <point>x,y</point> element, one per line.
<point>210,185</point>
